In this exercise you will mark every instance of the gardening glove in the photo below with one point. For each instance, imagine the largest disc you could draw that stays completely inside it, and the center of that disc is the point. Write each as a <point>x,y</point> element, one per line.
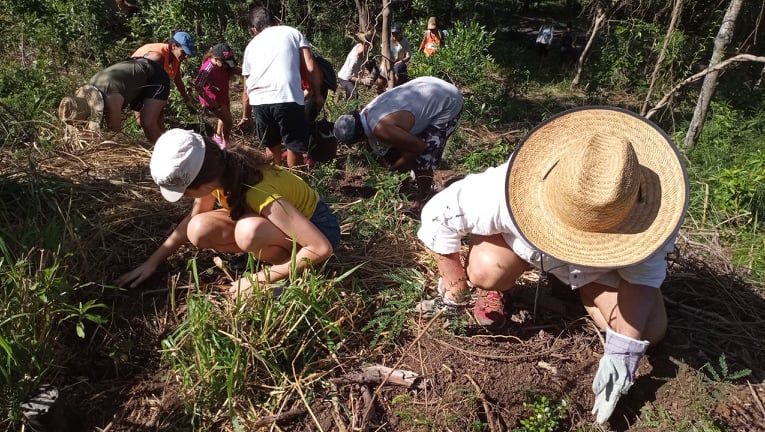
<point>616,372</point>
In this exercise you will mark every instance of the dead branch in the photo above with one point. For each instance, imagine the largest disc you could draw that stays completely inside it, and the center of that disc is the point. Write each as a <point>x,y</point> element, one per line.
<point>486,407</point>
<point>693,78</point>
<point>267,420</point>
<point>376,374</point>
<point>369,405</point>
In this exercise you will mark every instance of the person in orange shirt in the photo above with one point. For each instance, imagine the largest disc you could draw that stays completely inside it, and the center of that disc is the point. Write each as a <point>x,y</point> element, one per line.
<point>173,52</point>
<point>433,38</point>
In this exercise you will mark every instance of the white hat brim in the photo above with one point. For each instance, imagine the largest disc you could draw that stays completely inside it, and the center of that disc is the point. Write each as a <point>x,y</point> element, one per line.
<point>171,195</point>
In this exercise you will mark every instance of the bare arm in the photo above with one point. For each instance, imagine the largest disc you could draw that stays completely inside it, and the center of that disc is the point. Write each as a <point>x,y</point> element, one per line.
<point>393,130</point>
<point>246,107</point>
<point>175,240</point>
<point>314,246</point>
<point>311,68</point>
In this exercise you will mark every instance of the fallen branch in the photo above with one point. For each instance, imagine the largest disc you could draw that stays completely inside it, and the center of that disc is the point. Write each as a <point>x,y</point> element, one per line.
<point>486,407</point>
<point>267,420</point>
<point>377,374</point>
<point>719,66</point>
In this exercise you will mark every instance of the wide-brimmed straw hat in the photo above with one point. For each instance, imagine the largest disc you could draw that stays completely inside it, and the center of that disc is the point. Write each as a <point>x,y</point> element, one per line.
<point>86,106</point>
<point>598,187</point>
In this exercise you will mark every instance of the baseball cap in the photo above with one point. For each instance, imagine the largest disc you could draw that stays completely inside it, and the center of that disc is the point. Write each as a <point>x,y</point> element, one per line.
<point>224,52</point>
<point>346,129</point>
<point>395,28</point>
<point>186,42</point>
<point>175,162</point>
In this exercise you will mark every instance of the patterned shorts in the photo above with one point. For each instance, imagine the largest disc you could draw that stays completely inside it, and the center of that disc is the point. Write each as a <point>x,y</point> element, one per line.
<point>435,137</point>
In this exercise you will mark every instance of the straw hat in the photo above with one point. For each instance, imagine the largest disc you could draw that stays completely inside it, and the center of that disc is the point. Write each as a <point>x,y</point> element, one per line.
<point>598,187</point>
<point>432,23</point>
<point>87,105</point>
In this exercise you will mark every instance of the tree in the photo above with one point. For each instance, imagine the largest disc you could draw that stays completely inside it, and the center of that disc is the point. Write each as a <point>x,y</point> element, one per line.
<point>362,8</point>
<point>603,9</point>
<point>722,40</point>
<point>670,29</point>
<point>387,66</point>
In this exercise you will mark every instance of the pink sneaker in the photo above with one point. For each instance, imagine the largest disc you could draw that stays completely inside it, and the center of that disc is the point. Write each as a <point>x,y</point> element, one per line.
<point>220,141</point>
<point>489,309</point>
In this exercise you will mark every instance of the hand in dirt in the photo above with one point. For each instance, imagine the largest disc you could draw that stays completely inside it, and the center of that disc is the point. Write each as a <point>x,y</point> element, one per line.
<point>240,288</point>
<point>137,276</point>
<point>243,123</point>
<point>367,81</point>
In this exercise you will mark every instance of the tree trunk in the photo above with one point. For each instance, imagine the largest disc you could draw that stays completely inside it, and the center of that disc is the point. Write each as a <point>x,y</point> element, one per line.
<point>387,66</point>
<point>722,40</point>
<point>362,8</point>
<point>600,18</point>
<point>671,29</point>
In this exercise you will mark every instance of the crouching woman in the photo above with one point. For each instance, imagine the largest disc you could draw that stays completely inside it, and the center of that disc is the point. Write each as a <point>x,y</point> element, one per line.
<point>264,209</point>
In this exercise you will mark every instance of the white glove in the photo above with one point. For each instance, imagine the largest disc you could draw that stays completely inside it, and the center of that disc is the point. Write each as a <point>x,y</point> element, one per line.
<point>616,371</point>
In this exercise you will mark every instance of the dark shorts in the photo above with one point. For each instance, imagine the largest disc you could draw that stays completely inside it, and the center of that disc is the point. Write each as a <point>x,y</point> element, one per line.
<point>435,137</point>
<point>349,88</point>
<point>282,122</point>
<point>326,222</point>
<point>136,80</point>
<point>400,69</point>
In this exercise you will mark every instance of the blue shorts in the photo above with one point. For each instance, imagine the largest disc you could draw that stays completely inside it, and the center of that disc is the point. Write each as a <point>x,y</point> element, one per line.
<point>326,222</point>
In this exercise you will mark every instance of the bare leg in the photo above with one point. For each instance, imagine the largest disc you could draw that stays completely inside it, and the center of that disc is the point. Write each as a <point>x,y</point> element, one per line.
<point>213,230</point>
<point>225,122</point>
<point>113,108</point>
<point>632,310</point>
<point>275,153</point>
<point>492,265</point>
<point>294,159</point>
<point>151,119</point>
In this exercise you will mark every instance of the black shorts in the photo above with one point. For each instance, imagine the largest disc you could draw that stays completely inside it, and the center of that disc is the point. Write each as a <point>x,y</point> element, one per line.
<point>285,122</point>
<point>157,84</point>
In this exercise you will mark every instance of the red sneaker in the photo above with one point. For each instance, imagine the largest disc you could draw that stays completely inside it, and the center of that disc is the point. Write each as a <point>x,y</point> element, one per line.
<point>489,309</point>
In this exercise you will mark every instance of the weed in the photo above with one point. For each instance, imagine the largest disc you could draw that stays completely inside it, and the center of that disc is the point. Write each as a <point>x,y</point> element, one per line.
<point>247,353</point>
<point>397,304</point>
<point>480,160</point>
<point>722,373</point>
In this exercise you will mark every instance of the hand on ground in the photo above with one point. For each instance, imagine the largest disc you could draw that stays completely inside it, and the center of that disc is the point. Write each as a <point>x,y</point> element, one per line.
<point>240,288</point>
<point>137,276</point>
<point>243,123</point>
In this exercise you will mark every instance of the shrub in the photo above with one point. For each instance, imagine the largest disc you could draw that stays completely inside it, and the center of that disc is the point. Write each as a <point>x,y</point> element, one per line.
<point>465,62</point>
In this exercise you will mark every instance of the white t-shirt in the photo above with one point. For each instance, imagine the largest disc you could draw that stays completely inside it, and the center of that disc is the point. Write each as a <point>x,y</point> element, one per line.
<point>352,65</point>
<point>476,205</point>
<point>271,64</point>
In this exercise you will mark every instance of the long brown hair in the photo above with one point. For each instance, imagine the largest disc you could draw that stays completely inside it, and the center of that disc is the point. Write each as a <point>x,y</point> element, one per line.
<point>237,168</point>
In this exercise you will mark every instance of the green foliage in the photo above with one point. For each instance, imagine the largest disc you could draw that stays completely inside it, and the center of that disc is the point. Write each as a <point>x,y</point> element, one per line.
<point>478,161</point>
<point>396,307</point>
<point>233,357</point>
<point>545,415</point>
<point>730,161</point>
<point>465,61</point>
<point>722,373</point>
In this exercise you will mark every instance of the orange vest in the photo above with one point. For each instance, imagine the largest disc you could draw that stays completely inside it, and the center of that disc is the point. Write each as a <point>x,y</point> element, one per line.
<point>430,42</point>
<point>171,63</point>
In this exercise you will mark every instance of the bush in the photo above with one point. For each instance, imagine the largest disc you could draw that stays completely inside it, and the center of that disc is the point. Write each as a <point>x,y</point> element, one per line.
<point>465,62</point>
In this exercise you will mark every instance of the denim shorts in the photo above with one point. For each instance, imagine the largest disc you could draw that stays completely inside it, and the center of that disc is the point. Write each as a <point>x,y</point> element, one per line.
<point>326,221</point>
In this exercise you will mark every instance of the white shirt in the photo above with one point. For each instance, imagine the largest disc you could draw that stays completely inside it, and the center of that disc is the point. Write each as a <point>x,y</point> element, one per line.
<point>476,205</point>
<point>352,65</point>
<point>271,64</point>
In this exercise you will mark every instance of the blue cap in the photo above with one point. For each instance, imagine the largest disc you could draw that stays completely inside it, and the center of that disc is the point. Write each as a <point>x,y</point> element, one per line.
<point>186,42</point>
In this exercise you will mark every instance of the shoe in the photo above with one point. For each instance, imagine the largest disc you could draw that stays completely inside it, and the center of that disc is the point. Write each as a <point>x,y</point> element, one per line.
<point>430,307</point>
<point>489,309</point>
<point>220,141</point>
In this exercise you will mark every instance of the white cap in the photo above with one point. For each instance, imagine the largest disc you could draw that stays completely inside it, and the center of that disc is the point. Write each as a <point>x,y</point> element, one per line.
<point>176,161</point>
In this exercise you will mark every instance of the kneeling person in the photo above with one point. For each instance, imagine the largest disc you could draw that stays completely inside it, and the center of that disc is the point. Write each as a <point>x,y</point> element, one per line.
<point>140,83</point>
<point>266,210</point>
<point>408,126</point>
<point>594,196</point>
